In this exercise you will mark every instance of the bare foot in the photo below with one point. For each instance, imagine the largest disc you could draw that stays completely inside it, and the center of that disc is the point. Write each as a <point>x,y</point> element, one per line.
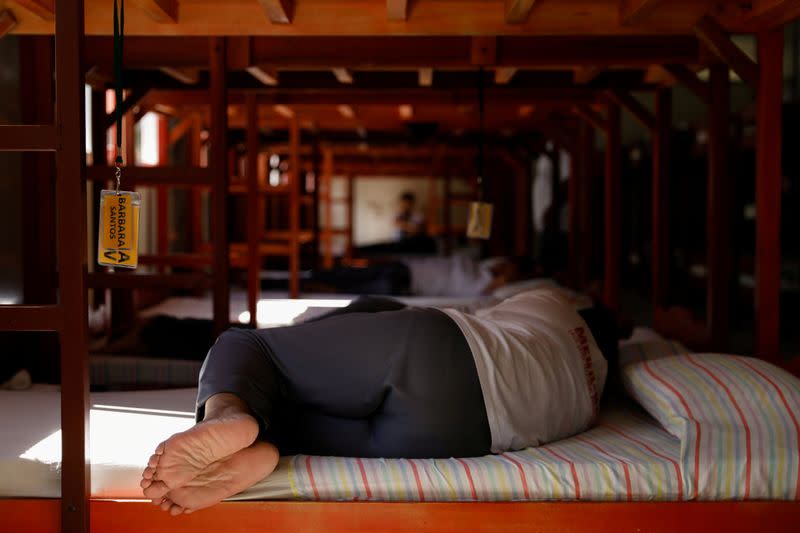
<point>184,455</point>
<point>222,479</point>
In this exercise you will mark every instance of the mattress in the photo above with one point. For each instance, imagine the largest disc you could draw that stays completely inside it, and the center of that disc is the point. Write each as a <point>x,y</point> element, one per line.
<point>626,457</point>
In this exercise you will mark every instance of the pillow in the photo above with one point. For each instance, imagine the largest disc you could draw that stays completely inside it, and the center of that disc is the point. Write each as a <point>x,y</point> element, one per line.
<point>736,417</point>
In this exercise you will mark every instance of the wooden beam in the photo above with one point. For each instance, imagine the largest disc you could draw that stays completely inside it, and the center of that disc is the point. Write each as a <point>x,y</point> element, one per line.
<point>483,51</point>
<point>716,39</point>
<point>768,194</point>
<point>343,76</point>
<point>267,76</point>
<point>346,111</point>
<point>7,22</point>
<point>161,11</point>
<point>294,208</point>
<point>689,79</point>
<point>254,221</point>
<point>217,162</point>
<point>278,11</point>
<point>633,12</point>
<point>503,75</point>
<point>758,15</point>
<point>406,111</point>
<point>719,198</point>
<point>28,138</point>
<point>585,75</point>
<point>179,130</point>
<point>283,110</point>
<point>612,215</point>
<point>133,98</point>
<point>517,11</point>
<point>41,8</point>
<point>425,77</point>
<point>397,9</point>
<point>660,262</point>
<point>591,116</point>
<point>634,107</point>
<point>187,76</point>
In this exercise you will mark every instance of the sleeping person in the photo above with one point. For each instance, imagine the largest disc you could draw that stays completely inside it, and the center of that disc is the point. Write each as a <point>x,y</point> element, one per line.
<point>452,276</point>
<point>378,379</point>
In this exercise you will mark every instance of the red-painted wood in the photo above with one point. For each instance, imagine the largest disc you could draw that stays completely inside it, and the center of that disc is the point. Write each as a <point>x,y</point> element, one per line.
<point>253,223</point>
<point>660,197</point>
<point>294,208</point>
<point>346,517</point>
<point>71,233</point>
<point>718,213</point>
<point>218,156</point>
<point>768,193</point>
<point>612,208</point>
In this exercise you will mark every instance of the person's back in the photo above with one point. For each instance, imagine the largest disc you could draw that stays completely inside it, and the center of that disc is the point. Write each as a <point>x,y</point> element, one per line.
<point>540,369</point>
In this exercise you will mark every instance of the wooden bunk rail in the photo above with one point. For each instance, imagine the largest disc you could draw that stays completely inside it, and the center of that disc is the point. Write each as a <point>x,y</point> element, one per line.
<point>104,280</point>
<point>177,260</point>
<point>31,317</point>
<point>160,175</point>
<point>28,138</point>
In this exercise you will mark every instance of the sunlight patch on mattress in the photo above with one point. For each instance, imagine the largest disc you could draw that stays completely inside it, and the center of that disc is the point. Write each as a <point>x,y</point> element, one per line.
<point>282,312</point>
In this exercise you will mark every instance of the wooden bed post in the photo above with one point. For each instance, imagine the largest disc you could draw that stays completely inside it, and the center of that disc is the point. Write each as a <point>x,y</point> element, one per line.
<point>194,147</point>
<point>316,231</point>
<point>71,199</point>
<point>219,193</point>
<point>327,201</point>
<point>584,162</point>
<point>768,193</point>
<point>350,217</point>
<point>294,207</point>
<point>718,209</point>
<point>660,197</point>
<point>254,225</point>
<point>163,192</point>
<point>612,208</point>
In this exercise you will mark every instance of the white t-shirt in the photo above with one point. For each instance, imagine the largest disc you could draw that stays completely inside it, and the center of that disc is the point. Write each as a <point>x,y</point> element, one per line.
<point>456,275</point>
<point>540,369</point>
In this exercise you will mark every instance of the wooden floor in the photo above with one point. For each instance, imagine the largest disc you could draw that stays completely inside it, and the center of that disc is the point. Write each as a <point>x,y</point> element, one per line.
<point>285,517</point>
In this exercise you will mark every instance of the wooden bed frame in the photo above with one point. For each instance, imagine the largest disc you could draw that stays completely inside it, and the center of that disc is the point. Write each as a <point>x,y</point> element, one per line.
<point>64,136</point>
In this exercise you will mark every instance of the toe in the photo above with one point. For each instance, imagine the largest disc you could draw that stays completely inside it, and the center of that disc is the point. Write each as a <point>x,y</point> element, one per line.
<point>188,511</point>
<point>166,505</point>
<point>175,510</point>
<point>156,490</point>
<point>160,449</point>
<point>144,483</point>
<point>148,472</point>
<point>153,461</point>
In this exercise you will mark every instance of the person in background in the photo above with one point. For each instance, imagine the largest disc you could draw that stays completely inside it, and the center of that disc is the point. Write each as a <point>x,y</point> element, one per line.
<point>411,232</point>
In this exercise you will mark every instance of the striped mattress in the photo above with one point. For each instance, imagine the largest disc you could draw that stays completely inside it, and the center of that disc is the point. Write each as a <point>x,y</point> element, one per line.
<point>626,457</point>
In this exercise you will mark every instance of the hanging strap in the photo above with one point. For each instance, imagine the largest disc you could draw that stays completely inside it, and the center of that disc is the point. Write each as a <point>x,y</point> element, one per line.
<point>480,135</point>
<point>119,35</point>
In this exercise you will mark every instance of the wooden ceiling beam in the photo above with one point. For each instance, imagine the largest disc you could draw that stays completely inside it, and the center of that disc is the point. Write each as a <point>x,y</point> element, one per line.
<point>689,79</point>
<point>397,10</point>
<point>405,53</point>
<point>518,11</point>
<point>176,133</point>
<point>625,99</point>
<point>585,75</point>
<point>278,11</point>
<point>44,9</point>
<point>591,116</point>
<point>7,22</point>
<point>161,11</point>
<point>633,12</point>
<point>757,15</point>
<point>343,76</point>
<point>425,77</point>
<point>267,76</point>
<point>714,36</point>
<point>188,76</point>
<point>503,75</point>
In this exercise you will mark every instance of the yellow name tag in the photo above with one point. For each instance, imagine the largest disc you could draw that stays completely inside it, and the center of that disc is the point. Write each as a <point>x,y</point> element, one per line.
<point>479,225</point>
<point>118,242</point>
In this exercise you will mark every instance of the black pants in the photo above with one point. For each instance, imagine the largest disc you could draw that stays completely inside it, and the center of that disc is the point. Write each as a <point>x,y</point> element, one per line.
<point>371,380</point>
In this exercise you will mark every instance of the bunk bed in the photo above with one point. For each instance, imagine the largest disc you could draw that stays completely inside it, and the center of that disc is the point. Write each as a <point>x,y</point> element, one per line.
<point>77,511</point>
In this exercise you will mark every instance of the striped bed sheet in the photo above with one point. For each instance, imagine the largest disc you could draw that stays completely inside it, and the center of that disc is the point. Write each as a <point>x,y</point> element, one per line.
<point>626,457</point>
